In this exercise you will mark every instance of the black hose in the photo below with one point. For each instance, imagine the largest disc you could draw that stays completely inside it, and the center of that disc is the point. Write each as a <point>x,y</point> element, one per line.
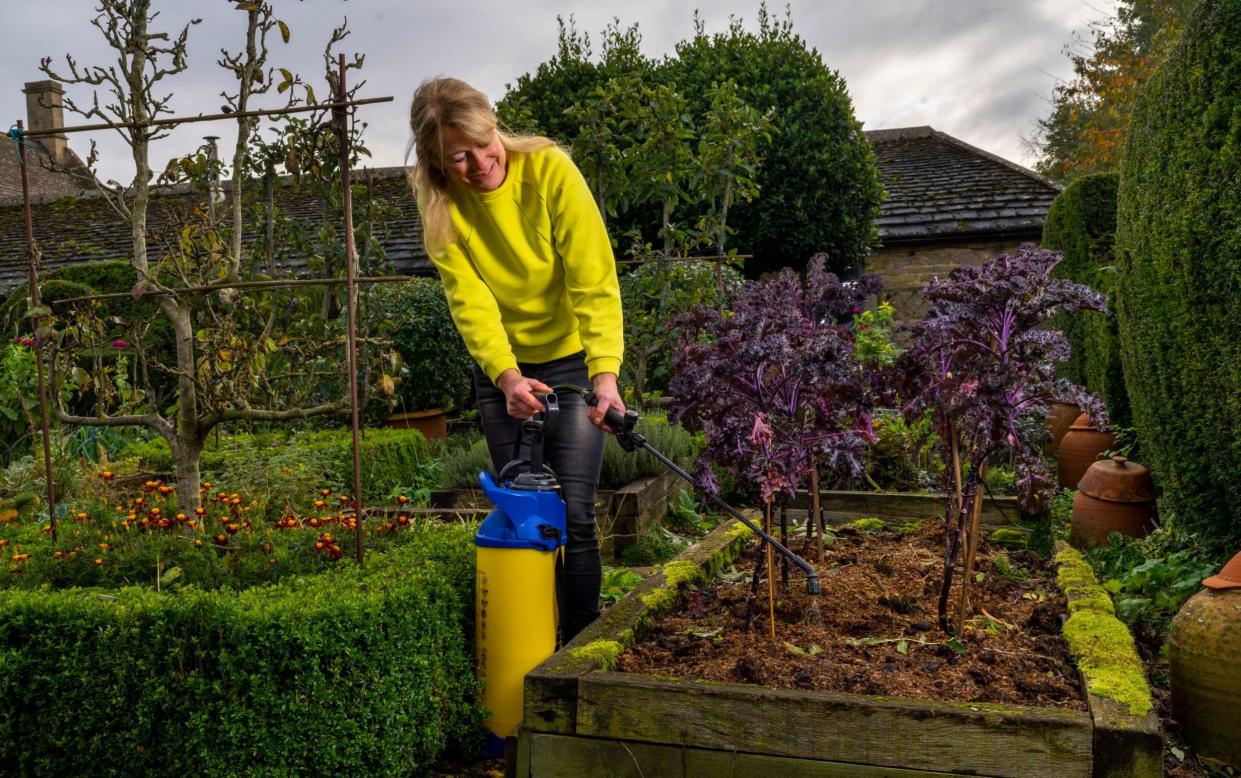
<point>623,427</point>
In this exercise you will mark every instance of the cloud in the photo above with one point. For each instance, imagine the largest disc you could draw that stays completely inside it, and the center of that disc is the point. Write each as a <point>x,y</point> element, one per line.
<point>978,70</point>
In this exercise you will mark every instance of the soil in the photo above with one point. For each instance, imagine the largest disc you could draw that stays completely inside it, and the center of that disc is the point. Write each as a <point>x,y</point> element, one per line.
<point>874,629</point>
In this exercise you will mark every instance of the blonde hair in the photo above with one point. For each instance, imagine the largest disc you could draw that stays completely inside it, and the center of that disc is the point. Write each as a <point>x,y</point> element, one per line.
<point>450,102</point>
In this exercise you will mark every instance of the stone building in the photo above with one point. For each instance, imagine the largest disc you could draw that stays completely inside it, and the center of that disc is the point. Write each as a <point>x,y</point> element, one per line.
<point>949,203</point>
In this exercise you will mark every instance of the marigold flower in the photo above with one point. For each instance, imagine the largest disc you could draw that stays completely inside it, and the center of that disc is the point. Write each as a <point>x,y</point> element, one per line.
<point>107,475</point>
<point>98,561</point>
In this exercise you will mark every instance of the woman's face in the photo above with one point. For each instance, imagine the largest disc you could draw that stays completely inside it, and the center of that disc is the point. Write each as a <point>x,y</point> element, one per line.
<point>481,168</point>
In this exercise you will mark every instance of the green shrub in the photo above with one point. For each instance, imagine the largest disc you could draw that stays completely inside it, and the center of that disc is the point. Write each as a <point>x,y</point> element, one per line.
<point>671,440</point>
<point>1082,225</point>
<point>1178,246</point>
<point>463,463</point>
<point>652,294</point>
<point>653,546</point>
<point>347,672</point>
<point>286,469</point>
<point>435,367</point>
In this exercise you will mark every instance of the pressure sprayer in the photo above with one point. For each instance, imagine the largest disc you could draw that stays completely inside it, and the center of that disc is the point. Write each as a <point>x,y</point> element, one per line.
<point>517,547</point>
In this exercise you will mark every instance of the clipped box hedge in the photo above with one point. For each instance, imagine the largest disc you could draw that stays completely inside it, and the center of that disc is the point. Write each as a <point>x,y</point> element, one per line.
<point>349,672</point>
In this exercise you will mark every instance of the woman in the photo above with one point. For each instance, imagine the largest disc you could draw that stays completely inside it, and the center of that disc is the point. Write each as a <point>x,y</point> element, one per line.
<point>531,281</point>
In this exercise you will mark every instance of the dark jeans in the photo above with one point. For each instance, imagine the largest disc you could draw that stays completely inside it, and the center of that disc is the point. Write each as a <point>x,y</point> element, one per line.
<point>574,451</point>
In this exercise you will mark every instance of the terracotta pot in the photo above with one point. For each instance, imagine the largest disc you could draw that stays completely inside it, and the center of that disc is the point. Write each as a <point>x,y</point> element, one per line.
<point>1079,448</point>
<point>1115,495</point>
<point>1204,663</point>
<point>1058,422</point>
<point>433,423</point>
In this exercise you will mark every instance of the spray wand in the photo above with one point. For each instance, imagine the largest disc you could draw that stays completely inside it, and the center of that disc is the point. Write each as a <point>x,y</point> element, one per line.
<point>630,440</point>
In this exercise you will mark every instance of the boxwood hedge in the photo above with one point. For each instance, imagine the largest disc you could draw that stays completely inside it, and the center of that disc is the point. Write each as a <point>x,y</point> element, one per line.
<point>1178,245</point>
<point>1082,225</point>
<point>349,672</point>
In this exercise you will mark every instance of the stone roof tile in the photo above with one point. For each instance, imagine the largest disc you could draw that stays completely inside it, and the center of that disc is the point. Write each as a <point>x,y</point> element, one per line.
<point>72,230</point>
<point>940,187</point>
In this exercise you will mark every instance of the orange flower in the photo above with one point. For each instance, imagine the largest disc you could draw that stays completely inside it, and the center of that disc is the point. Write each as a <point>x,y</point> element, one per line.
<point>98,561</point>
<point>107,475</point>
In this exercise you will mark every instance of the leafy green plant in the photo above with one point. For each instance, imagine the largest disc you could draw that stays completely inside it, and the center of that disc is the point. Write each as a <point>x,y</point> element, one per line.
<point>432,364</point>
<point>873,329</point>
<point>387,647</point>
<point>653,546</point>
<point>617,582</point>
<point>652,295</point>
<point>1149,579</point>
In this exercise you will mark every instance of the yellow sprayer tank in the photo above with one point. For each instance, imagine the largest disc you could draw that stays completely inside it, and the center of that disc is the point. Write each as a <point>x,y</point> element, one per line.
<point>515,600</point>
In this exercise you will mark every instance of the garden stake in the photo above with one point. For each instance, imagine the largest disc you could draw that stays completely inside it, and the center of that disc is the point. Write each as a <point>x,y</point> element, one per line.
<point>816,515</point>
<point>631,440</point>
<point>32,250</point>
<point>971,548</point>
<point>351,286</point>
<point>784,538</point>
<point>771,575</point>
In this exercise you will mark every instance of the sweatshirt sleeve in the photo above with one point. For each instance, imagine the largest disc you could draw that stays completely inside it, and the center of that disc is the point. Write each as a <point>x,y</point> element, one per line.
<point>475,312</point>
<point>589,266</point>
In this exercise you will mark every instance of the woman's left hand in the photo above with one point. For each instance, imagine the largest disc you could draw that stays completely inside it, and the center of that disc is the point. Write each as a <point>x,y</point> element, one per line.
<point>608,396</point>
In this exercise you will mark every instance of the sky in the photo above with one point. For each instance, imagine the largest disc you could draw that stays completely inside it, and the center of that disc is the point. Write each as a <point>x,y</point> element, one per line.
<point>979,70</point>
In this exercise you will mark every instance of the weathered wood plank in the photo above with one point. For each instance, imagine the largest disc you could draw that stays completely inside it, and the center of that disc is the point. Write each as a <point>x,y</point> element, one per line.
<point>951,737</point>
<point>550,691</point>
<point>557,756</point>
<point>1125,745</point>
<point>843,506</point>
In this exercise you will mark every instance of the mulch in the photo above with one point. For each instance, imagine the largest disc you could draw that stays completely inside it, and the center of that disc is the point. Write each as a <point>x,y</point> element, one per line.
<point>873,630</point>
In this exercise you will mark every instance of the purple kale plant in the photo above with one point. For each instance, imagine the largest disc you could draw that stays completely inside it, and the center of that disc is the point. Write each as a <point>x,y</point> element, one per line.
<point>982,363</point>
<point>773,384</point>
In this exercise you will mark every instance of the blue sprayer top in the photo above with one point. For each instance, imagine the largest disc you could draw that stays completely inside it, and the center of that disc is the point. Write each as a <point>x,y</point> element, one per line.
<point>521,519</point>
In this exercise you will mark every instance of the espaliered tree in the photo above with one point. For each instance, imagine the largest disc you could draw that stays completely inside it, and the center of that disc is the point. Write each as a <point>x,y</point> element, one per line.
<point>983,363</point>
<point>774,385</point>
<point>226,345</point>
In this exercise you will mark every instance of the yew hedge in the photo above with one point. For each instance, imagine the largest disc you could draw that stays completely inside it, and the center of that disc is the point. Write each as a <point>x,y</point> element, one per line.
<point>1082,225</point>
<point>1178,246</point>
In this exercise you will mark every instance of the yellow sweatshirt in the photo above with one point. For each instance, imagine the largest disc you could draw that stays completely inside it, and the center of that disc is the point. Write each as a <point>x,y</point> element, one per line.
<point>531,276</point>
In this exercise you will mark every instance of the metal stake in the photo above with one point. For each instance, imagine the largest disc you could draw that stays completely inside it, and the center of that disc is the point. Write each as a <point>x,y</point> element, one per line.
<point>351,286</point>
<point>32,252</point>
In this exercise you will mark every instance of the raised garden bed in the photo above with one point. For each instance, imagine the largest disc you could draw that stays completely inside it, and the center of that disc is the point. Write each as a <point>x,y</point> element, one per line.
<point>844,506</point>
<point>584,719</point>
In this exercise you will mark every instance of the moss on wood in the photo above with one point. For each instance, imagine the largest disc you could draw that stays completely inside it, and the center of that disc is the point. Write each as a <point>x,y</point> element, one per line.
<point>1100,643</point>
<point>600,652</point>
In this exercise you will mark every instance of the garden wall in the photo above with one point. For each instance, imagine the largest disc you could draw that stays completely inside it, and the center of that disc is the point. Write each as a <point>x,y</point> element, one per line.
<point>905,269</point>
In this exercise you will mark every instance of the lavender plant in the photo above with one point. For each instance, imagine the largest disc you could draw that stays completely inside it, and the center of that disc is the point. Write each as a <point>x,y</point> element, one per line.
<point>774,385</point>
<point>983,364</point>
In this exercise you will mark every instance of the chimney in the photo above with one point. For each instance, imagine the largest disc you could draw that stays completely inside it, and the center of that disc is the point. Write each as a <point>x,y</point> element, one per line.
<point>44,110</point>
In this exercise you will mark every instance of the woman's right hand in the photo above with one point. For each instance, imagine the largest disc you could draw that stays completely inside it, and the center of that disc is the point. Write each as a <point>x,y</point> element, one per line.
<point>519,391</point>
